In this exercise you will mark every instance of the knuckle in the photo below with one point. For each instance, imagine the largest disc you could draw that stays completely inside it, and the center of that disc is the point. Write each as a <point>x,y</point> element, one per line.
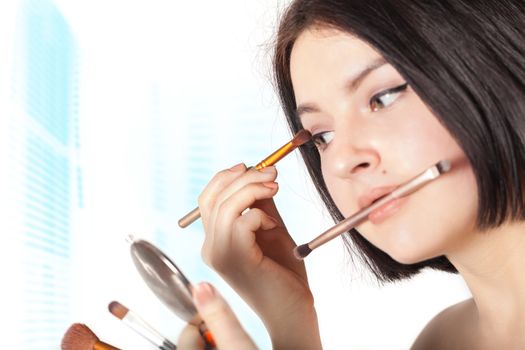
<point>239,225</point>
<point>201,199</point>
<point>225,212</point>
<point>256,212</point>
<point>256,191</point>
<point>216,181</point>
<point>204,199</point>
<point>220,174</point>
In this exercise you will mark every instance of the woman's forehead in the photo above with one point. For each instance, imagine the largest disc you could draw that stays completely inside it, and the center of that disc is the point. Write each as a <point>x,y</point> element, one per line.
<point>331,57</point>
<point>328,46</point>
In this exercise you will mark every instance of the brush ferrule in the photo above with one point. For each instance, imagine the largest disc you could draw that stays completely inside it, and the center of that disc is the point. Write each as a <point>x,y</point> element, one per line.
<point>275,156</point>
<point>103,346</point>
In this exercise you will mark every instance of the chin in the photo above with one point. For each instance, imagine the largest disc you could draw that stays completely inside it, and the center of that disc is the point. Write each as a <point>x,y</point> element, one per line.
<point>407,259</point>
<point>409,251</point>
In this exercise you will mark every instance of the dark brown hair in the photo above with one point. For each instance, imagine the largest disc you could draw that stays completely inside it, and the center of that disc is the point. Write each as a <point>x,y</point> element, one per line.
<point>466,60</point>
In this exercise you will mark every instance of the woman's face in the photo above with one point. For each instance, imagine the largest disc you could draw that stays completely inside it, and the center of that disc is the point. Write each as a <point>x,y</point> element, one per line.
<point>374,133</point>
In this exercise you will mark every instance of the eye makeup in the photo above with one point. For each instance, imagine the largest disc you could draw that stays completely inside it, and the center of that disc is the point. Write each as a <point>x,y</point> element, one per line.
<point>321,139</point>
<point>376,103</point>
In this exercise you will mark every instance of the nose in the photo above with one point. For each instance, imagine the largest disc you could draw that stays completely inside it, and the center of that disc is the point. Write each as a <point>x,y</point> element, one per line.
<point>352,158</point>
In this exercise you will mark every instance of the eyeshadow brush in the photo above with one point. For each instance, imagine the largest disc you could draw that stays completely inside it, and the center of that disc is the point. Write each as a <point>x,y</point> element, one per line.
<point>140,326</point>
<point>349,223</point>
<point>299,139</point>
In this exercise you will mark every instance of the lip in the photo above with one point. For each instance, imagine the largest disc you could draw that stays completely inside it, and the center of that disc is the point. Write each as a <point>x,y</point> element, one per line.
<point>385,211</point>
<point>374,194</point>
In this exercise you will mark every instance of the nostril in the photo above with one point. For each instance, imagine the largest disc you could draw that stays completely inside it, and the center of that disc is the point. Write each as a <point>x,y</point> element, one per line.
<point>360,167</point>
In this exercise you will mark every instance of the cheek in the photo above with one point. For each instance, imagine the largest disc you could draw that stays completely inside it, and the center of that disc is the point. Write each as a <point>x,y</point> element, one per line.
<point>342,191</point>
<point>439,219</point>
<point>419,141</point>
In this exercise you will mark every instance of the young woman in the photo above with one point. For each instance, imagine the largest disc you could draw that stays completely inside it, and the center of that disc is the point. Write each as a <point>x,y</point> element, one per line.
<point>387,88</point>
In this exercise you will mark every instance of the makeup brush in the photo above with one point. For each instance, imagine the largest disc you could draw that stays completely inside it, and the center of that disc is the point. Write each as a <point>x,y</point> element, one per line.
<point>302,137</point>
<point>80,337</point>
<point>349,223</point>
<point>136,323</point>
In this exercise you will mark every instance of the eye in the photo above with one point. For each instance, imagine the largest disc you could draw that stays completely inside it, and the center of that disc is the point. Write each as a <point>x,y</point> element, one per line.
<point>322,139</point>
<point>386,98</point>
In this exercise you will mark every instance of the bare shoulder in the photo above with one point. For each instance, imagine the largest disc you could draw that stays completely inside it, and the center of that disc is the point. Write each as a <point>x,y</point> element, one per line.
<point>450,329</point>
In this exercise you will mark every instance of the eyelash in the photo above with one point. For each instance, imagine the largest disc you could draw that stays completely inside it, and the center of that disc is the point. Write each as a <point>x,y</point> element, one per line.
<point>376,97</point>
<point>317,138</point>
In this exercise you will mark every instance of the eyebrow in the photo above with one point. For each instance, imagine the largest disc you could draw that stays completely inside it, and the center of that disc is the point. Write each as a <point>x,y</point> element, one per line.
<point>353,84</point>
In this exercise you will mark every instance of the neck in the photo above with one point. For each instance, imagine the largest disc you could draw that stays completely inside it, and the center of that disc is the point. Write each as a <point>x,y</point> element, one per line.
<point>492,265</point>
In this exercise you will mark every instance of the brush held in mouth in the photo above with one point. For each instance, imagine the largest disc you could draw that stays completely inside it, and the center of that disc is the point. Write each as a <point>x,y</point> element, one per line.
<point>417,182</point>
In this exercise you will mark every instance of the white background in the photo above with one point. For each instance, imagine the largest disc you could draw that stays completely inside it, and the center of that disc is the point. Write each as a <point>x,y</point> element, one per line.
<point>161,84</point>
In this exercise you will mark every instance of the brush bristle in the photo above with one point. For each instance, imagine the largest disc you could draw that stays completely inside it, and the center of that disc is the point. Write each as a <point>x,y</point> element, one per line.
<point>302,137</point>
<point>79,337</point>
<point>443,166</point>
<point>118,310</point>
<point>302,251</point>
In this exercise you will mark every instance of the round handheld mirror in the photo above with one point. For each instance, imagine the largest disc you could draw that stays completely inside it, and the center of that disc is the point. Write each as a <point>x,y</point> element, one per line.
<point>165,279</point>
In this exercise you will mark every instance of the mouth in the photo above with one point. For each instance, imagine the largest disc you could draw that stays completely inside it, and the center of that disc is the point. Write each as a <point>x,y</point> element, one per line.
<point>374,195</point>
<point>385,211</point>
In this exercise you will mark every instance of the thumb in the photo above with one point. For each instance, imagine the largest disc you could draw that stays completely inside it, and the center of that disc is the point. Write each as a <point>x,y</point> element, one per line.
<point>268,206</point>
<point>220,319</point>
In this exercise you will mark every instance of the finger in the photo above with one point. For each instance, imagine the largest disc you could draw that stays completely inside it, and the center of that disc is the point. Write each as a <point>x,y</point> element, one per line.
<point>222,179</point>
<point>252,221</point>
<point>268,206</point>
<point>244,198</point>
<point>278,247</point>
<point>220,319</point>
<point>208,197</point>
<point>243,243</point>
<point>232,208</point>
<point>267,174</point>
<point>190,339</point>
<point>251,176</point>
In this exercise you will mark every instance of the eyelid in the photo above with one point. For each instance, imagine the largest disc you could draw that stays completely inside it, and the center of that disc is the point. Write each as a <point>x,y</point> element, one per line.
<point>376,98</point>
<point>317,137</point>
<point>395,89</point>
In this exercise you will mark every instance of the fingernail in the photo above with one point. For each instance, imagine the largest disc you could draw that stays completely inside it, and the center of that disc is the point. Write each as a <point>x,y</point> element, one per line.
<point>203,293</point>
<point>269,169</point>
<point>271,184</point>
<point>237,167</point>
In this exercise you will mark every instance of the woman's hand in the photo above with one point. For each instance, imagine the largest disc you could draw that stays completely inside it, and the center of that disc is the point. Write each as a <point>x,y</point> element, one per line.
<point>220,320</point>
<point>248,245</point>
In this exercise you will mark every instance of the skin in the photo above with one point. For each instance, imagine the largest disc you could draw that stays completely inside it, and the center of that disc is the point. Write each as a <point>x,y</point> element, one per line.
<point>368,148</point>
<point>253,253</point>
<point>220,320</point>
<point>367,141</point>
